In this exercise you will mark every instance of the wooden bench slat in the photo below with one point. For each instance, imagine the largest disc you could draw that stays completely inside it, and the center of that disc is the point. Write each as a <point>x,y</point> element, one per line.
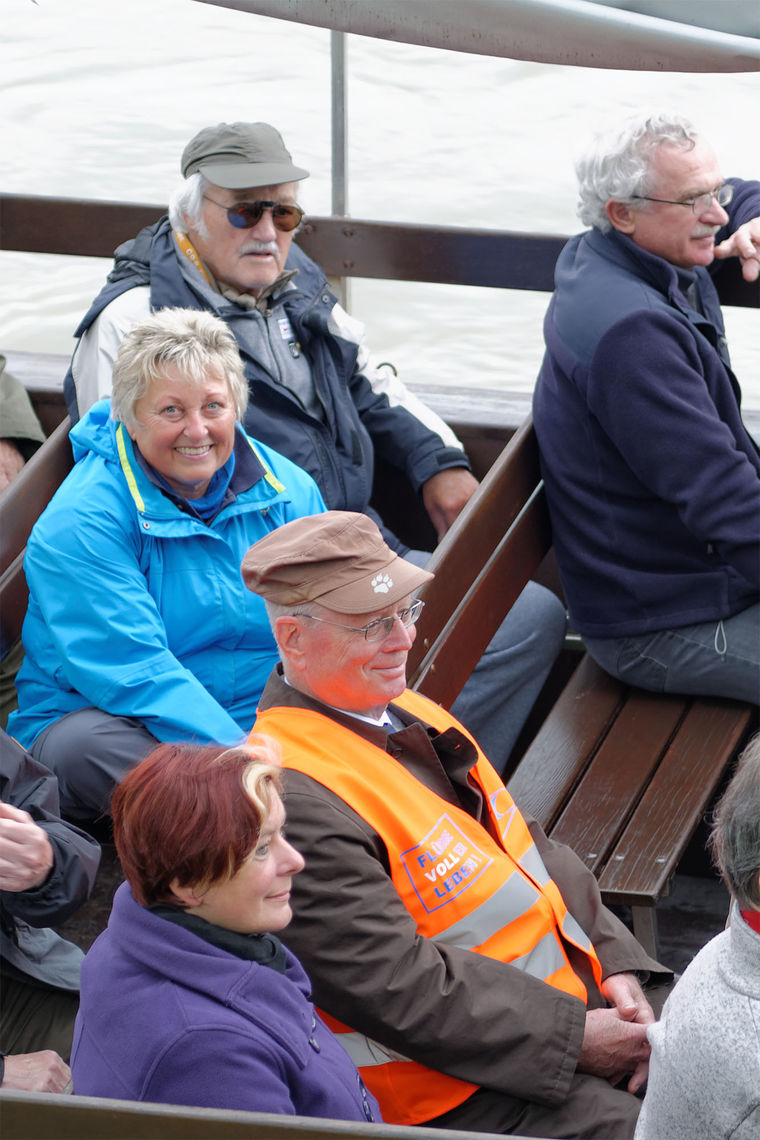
<point>26,496</point>
<point>469,543</point>
<point>38,1116</point>
<point>14,598</point>
<point>455,653</point>
<point>568,738</point>
<point>678,795</point>
<point>617,776</point>
<point>21,504</point>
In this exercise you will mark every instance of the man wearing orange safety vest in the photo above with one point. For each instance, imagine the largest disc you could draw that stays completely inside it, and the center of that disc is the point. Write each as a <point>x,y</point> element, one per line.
<point>465,960</point>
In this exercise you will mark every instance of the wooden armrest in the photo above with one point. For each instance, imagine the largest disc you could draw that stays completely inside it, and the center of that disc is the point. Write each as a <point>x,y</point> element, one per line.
<point>26,496</point>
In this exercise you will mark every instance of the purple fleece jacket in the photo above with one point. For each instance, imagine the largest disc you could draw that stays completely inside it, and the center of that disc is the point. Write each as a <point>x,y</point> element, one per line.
<point>165,1016</point>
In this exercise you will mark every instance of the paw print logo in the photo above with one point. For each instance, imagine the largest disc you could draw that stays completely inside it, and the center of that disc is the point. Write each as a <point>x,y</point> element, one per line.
<point>381,583</point>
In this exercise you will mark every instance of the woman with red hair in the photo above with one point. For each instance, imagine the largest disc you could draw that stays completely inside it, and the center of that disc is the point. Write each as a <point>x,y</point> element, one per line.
<point>188,997</point>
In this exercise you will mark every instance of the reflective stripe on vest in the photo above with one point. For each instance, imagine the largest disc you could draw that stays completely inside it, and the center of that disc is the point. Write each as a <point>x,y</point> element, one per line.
<point>465,886</point>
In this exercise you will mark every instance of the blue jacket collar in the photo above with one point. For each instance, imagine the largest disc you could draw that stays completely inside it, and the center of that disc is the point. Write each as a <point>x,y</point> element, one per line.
<point>97,432</point>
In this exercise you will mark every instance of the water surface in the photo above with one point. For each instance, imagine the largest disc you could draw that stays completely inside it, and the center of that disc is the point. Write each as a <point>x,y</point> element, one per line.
<point>100,96</point>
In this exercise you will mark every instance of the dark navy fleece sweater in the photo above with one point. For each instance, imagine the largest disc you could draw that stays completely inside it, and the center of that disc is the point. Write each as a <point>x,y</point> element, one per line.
<point>653,482</point>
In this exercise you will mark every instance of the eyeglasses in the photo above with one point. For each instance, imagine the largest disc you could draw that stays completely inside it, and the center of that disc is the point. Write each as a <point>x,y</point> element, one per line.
<point>248,214</point>
<point>380,628</point>
<point>699,205</point>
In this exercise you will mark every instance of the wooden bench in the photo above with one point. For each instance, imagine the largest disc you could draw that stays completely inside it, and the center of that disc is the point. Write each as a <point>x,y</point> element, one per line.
<point>620,775</point>
<point>21,504</point>
<point>38,1116</point>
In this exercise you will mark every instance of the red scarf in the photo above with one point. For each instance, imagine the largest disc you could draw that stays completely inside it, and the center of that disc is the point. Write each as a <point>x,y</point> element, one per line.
<point>752,919</point>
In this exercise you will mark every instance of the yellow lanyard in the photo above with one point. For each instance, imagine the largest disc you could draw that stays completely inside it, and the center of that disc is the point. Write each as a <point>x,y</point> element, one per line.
<point>185,245</point>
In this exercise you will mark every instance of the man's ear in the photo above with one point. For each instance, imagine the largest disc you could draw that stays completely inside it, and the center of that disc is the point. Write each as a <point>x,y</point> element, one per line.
<point>289,634</point>
<point>621,216</point>
<point>191,896</point>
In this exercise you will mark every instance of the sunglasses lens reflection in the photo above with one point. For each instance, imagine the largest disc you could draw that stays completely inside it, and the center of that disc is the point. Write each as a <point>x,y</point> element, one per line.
<point>249,214</point>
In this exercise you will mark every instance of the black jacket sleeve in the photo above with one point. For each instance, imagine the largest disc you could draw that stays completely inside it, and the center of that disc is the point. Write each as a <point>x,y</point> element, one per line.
<point>33,788</point>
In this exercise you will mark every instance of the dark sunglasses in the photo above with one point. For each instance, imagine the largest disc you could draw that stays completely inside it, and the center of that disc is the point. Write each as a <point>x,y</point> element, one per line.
<point>249,214</point>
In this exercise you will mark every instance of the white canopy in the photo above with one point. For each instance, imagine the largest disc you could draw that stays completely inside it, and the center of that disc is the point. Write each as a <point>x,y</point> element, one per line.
<point>630,35</point>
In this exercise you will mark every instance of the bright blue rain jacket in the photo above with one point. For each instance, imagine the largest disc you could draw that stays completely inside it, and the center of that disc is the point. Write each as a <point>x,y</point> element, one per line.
<point>140,609</point>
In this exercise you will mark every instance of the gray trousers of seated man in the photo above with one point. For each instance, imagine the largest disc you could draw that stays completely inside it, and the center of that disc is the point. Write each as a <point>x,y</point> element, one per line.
<point>90,751</point>
<point>710,659</point>
<point>592,1110</point>
<point>34,1016</point>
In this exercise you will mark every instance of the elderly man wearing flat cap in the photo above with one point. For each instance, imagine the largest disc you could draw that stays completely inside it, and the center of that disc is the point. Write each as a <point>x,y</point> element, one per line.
<point>227,246</point>
<point>466,961</point>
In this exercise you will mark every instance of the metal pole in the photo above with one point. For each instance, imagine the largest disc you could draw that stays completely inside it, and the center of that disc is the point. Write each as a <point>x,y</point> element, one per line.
<point>338,92</point>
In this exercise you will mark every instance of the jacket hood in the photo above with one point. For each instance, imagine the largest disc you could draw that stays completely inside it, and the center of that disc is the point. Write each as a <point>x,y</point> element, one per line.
<point>132,257</point>
<point>96,432</point>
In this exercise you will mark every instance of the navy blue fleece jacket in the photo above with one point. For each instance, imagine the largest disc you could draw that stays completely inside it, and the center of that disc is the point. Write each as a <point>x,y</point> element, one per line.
<point>652,479</point>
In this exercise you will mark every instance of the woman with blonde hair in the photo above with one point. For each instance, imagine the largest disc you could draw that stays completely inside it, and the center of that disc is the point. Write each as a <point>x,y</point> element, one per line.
<point>139,627</point>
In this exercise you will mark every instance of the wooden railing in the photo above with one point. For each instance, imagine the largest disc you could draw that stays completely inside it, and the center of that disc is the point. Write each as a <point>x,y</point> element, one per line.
<point>483,418</point>
<point>344,247</point>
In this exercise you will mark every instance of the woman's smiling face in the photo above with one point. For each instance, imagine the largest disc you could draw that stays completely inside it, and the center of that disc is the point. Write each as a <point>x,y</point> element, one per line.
<point>185,431</point>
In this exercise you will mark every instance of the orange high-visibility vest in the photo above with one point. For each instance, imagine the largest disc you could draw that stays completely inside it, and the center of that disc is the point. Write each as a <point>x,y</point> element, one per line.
<point>462,886</point>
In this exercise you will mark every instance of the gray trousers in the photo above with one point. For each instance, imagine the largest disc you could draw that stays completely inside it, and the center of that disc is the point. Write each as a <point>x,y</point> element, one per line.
<point>714,659</point>
<point>502,688</point>
<point>592,1110</point>
<point>36,1017</point>
<point>90,751</point>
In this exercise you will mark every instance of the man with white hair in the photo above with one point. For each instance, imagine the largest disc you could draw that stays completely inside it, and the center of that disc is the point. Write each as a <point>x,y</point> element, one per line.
<point>315,396</point>
<point>652,479</point>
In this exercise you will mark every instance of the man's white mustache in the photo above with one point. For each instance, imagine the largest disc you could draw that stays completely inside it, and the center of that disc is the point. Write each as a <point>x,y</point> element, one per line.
<point>705,231</point>
<point>261,247</point>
